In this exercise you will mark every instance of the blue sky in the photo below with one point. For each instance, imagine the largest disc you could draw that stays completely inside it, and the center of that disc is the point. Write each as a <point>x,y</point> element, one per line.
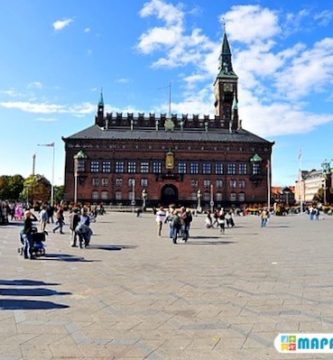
<point>57,55</point>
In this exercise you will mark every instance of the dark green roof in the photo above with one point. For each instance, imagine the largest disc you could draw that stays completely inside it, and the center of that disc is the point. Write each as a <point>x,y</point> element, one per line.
<point>214,135</point>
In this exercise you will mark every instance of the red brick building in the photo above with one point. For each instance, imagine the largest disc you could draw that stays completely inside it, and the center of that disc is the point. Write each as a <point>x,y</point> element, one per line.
<point>161,159</point>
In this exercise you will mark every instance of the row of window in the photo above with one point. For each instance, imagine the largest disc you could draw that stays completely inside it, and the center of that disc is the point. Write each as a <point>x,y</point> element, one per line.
<point>104,195</point>
<point>182,167</point>
<point>233,184</point>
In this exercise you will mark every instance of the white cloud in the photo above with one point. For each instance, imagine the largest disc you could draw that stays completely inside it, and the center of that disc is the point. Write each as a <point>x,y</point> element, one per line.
<point>311,70</point>
<point>251,23</point>
<point>324,18</point>
<point>47,108</point>
<point>61,24</point>
<point>274,82</point>
<point>35,85</point>
<point>122,81</point>
<point>87,30</point>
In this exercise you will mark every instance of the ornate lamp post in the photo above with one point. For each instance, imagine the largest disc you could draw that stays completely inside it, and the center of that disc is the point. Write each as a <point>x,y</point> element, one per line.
<point>199,195</point>
<point>78,167</point>
<point>133,194</point>
<point>211,198</point>
<point>144,196</point>
<point>326,166</point>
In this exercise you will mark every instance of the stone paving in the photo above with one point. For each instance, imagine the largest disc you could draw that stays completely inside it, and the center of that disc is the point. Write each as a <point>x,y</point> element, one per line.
<point>134,295</point>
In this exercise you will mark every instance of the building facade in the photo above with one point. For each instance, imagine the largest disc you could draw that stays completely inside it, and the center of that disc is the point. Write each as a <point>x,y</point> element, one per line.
<point>150,159</point>
<point>310,183</point>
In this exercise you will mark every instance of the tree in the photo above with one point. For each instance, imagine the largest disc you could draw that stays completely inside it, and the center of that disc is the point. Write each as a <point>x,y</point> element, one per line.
<point>36,188</point>
<point>58,193</point>
<point>11,187</point>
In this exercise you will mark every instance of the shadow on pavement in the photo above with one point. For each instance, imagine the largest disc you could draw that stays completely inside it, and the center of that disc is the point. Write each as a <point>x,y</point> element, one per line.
<point>221,242</point>
<point>25,282</point>
<point>31,292</point>
<point>111,247</point>
<point>65,257</point>
<point>13,304</point>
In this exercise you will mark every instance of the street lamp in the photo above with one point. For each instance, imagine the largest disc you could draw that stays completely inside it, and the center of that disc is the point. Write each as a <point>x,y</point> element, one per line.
<point>199,195</point>
<point>144,198</point>
<point>326,166</point>
<point>133,194</point>
<point>78,158</point>
<point>211,198</point>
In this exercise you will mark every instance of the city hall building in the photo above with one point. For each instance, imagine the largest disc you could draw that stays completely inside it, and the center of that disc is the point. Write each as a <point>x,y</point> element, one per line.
<point>151,159</point>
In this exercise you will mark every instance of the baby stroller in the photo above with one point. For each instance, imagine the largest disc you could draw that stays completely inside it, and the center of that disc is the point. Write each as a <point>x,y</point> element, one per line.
<point>37,247</point>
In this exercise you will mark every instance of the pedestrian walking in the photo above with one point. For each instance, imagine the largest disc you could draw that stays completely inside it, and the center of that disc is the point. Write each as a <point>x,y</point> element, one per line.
<point>160,219</point>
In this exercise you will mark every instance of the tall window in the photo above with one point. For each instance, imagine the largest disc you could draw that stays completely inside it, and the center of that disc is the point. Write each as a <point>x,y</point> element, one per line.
<point>218,196</point>
<point>119,167</point>
<point>104,195</point>
<point>182,167</point>
<point>231,169</point>
<point>119,182</point>
<point>256,169</point>
<point>131,167</point>
<point>105,181</point>
<point>157,167</point>
<point>144,167</point>
<point>131,182</point>
<point>118,195</point>
<point>242,169</point>
<point>206,183</point>
<point>106,166</point>
<point>241,196</point>
<point>206,168</point>
<point>81,165</point>
<point>241,184</point>
<point>233,196</point>
<point>194,168</point>
<point>218,168</point>
<point>94,166</point>
<point>144,182</point>
<point>95,195</point>
<point>219,184</point>
<point>233,184</point>
<point>194,183</point>
<point>95,181</point>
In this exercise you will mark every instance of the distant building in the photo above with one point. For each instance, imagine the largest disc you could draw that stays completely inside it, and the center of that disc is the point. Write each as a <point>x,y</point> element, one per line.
<point>283,195</point>
<point>168,158</point>
<point>308,185</point>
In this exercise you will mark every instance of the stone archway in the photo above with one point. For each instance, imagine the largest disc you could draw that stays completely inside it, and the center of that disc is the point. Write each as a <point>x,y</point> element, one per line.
<point>169,195</point>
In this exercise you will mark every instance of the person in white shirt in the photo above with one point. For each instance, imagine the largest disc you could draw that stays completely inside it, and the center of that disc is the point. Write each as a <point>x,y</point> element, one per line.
<point>160,218</point>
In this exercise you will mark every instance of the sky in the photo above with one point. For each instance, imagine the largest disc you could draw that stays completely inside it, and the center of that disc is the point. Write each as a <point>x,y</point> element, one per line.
<point>56,56</point>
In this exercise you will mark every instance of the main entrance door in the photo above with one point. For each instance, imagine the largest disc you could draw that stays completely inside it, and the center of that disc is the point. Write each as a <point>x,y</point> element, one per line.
<point>169,195</point>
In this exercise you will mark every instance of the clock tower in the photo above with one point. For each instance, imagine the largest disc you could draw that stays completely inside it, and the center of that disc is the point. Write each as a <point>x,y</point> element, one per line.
<point>226,90</point>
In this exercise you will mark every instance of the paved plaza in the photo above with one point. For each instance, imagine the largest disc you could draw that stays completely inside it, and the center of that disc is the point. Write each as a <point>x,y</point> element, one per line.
<point>134,295</point>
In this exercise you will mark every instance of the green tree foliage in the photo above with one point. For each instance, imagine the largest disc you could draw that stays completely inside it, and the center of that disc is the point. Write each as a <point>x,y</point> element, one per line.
<point>11,187</point>
<point>58,193</point>
<point>36,188</point>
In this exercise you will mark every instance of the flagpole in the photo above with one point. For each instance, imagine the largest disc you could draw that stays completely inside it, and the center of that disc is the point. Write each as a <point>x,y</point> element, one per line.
<point>300,181</point>
<point>52,177</point>
<point>52,183</point>
<point>268,185</point>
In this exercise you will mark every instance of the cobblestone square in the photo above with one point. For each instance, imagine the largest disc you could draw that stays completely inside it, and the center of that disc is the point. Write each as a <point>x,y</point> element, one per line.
<point>134,295</point>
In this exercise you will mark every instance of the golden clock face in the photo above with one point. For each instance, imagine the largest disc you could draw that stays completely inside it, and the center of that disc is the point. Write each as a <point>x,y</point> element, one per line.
<point>169,161</point>
<point>227,87</point>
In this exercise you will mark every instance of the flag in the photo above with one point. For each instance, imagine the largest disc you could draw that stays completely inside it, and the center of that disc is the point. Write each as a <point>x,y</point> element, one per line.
<point>50,145</point>
<point>299,157</point>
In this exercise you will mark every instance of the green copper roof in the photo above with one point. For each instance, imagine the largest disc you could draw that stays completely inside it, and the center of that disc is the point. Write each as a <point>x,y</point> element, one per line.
<point>225,67</point>
<point>101,100</point>
<point>225,46</point>
<point>256,158</point>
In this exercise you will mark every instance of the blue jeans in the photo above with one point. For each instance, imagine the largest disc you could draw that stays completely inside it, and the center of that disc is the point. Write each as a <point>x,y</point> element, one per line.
<point>27,244</point>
